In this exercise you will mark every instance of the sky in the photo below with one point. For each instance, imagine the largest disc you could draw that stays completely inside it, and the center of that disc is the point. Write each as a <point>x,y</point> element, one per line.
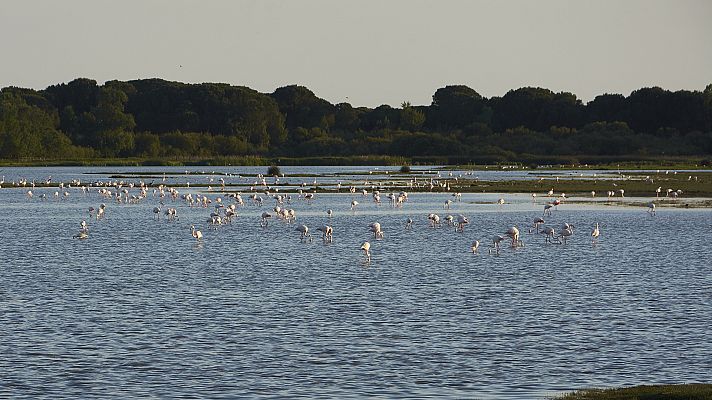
<point>365,52</point>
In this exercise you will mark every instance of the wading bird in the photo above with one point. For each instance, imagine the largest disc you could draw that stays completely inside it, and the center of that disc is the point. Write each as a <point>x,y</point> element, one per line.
<point>547,209</point>
<point>376,229</point>
<point>366,247</point>
<point>513,233</point>
<point>550,234</point>
<point>198,235</point>
<point>326,233</point>
<point>651,208</point>
<point>496,239</point>
<point>303,233</point>
<point>595,233</point>
<point>566,233</point>
<point>461,222</point>
<point>537,222</point>
<point>265,219</point>
<point>475,247</point>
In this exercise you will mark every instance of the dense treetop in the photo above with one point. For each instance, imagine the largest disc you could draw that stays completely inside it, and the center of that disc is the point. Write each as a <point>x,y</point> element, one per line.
<point>158,118</point>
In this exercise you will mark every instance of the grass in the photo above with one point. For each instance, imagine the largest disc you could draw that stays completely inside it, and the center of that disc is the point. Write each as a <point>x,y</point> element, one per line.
<point>630,162</point>
<point>692,391</point>
<point>636,186</point>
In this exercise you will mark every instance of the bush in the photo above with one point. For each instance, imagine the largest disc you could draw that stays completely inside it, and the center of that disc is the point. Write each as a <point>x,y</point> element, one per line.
<point>274,171</point>
<point>405,169</point>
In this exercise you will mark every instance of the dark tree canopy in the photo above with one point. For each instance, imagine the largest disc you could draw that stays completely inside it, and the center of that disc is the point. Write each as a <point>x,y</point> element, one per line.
<point>159,118</point>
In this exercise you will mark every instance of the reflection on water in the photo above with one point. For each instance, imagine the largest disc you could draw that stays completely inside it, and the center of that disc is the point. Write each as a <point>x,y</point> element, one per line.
<point>141,309</point>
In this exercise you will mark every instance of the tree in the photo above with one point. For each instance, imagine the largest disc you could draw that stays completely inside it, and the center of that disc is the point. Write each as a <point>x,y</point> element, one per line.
<point>411,119</point>
<point>456,107</point>
<point>347,118</point>
<point>607,107</point>
<point>109,112</point>
<point>708,107</point>
<point>147,144</point>
<point>524,107</point>
<point>303,108</point>
<point>28,130</point>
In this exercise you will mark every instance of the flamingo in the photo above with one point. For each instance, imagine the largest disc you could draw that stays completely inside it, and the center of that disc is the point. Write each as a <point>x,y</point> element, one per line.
<point>475,247</point>
<point>354,203</point>
<point>409,223</point>
<point>376,229</point>
<point>157,212</point>
<point>566,233</point>
<point>326,233</point>
<point>329,213</point>
<point>595,233</point>
<point>230,214</point>
<point>265,218</point>
<point>434,220</point>
<point>198,235</point>
<point>83,226</point>
<point>568,226</point>
<point>449,219</point>
<point>496,239</point>
<point>537,222</point>
<point>513,233</point>
<point>171,214</point>
<point>461,221</point>
<point>366,247</point>
<point>303,233</point>
<point>447,204</point>
<point>550,235</point>
<point>651,208</point>
<point>547,209</point>
<point>100,211</point>
<point>81,235</point>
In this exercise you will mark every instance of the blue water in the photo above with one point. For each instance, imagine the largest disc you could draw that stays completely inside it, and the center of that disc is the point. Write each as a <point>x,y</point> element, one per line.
<point>142,309</point>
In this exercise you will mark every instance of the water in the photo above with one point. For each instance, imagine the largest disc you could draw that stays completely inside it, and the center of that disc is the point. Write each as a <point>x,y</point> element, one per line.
<point>141,309</point>
<point>327,175</point>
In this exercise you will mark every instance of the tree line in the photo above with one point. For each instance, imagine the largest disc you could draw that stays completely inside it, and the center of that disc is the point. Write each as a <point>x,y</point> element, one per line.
<point>154,118</point>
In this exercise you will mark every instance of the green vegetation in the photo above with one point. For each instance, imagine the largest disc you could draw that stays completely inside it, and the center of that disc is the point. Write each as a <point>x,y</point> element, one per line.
<point>405,169</point>
<point>636,186</point>
<point>274,171</point>
<point>156,122</point>
<point>695,391</point>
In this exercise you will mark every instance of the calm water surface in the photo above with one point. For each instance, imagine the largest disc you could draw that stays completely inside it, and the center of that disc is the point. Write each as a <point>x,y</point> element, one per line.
<point>140,309</point>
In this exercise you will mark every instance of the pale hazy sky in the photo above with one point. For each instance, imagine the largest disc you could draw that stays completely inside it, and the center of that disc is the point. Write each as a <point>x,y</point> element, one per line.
<point>371,51</point>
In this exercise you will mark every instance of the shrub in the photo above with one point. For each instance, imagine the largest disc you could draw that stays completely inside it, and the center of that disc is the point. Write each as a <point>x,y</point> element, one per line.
<point>274,171</point>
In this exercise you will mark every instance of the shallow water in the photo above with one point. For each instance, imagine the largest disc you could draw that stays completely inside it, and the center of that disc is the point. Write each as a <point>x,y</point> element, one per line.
<point>245,175</point>
<point>140,309</point>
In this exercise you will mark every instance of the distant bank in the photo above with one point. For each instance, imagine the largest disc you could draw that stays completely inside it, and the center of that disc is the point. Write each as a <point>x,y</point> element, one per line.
<point>630,163</point>
<point>693,391</point>
<point>161,120</point>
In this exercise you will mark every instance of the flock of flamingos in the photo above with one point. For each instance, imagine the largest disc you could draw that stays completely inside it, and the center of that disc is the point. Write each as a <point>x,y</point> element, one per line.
<point>224,206</point>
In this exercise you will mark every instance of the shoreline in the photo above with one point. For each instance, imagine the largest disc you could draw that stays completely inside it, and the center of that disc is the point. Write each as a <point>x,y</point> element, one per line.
<point>688,391</point>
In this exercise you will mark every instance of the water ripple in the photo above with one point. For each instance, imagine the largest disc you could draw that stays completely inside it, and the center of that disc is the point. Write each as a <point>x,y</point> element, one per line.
<point>141,310</point>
